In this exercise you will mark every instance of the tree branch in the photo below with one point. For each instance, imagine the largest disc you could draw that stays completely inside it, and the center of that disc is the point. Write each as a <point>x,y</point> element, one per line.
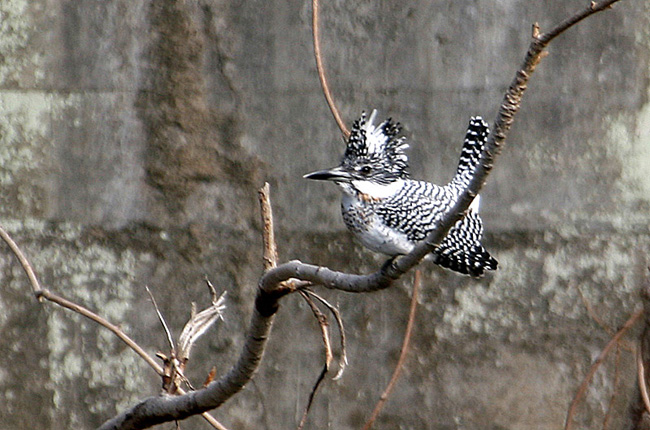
<point>45,294</point>
<point>268,233</point>
<point>568,425</point>
<point>402,355</point>
<point>321,70</point>
<point>271,287</point>
<point>24,262</point>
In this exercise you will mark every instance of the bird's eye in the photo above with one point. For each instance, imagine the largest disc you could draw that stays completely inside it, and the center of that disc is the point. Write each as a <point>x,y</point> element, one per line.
<point>365,170</point>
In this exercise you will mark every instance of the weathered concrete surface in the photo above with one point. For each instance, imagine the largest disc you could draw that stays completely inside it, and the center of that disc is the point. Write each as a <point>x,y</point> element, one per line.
<point>133,138</point>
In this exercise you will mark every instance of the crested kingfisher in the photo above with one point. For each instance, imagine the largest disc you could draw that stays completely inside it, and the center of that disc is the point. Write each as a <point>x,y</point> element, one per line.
<point>389,212</point>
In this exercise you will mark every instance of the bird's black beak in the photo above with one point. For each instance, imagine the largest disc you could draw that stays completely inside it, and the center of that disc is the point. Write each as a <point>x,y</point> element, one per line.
<point>335,174</point>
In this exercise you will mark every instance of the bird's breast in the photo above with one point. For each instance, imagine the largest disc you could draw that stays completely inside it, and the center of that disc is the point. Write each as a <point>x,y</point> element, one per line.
<point>368,228</point>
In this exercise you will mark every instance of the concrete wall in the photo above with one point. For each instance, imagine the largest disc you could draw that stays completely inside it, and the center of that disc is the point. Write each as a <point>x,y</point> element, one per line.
<point>133,138</point>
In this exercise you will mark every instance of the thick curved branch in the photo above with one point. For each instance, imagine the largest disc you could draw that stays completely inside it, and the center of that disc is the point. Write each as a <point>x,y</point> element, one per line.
<point>271,289</point>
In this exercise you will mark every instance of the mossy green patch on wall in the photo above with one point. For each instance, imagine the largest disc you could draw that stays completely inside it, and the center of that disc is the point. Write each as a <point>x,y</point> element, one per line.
<point>629,138</point>
<point>16,27</point>
<point>28,150</point>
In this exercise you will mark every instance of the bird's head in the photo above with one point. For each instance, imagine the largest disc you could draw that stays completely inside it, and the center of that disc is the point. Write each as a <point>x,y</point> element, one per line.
<point>373,154</point>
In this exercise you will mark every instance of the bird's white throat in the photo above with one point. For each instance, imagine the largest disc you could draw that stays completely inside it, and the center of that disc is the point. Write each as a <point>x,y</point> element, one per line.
<point>378,191</point>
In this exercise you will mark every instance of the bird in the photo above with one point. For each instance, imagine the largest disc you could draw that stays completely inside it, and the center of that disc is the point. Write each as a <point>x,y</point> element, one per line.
<point>388,212</point>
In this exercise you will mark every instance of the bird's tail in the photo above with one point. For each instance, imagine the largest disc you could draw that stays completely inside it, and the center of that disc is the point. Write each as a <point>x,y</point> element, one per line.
<point>461,250</point>
<point>473,262</point>
<point>475,139</point>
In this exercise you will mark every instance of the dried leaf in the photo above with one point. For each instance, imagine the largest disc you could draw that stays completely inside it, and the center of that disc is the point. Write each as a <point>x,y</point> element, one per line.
<point>199,324</point>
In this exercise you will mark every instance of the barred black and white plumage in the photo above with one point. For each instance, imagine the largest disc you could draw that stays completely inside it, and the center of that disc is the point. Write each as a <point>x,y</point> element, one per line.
<point>389,213</point>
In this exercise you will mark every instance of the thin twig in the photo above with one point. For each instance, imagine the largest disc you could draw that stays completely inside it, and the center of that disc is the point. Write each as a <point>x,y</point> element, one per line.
<point>321,70</point>
<point>24,262</point>
<point>168,333</point>
<point>210,419</point>
<point>593,314</point>
<point>270,253</point>
<point>45,294</point>
<point>594,367</point>
<point>54,298</point>
<point>343,362</point>
<point>324,327</point>
<point>213,291</point>
<point>615,383</point>
<point>643,385</point>
<point>268,235</point>
<point>594,7</point>
<point>402,356</point>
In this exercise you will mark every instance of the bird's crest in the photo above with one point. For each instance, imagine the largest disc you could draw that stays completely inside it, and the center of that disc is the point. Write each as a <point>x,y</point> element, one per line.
<point>379,146</point>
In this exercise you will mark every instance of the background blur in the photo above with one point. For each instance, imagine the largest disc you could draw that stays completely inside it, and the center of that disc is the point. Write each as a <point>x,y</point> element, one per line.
<point>135,134</point>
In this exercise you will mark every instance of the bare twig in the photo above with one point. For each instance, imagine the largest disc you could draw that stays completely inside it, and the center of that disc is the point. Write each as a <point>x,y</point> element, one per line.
<point>402,355</point>
<point>594,367</point>
<point>168,334</point>
<point>172,372</point>
<point>617,378</point>
<point>45,294</point>
<point>198,324</point>
<point>54,298</point>
<point>270,253</point>
<point>209,418</point>
<point>641,374</point>
<point>324,327</point>
<point>321,70</point>
<point>268,235</point>
<point>592,8</point>
<point>213,291</point>
<point>343,362</point>
<point>24,262</point>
